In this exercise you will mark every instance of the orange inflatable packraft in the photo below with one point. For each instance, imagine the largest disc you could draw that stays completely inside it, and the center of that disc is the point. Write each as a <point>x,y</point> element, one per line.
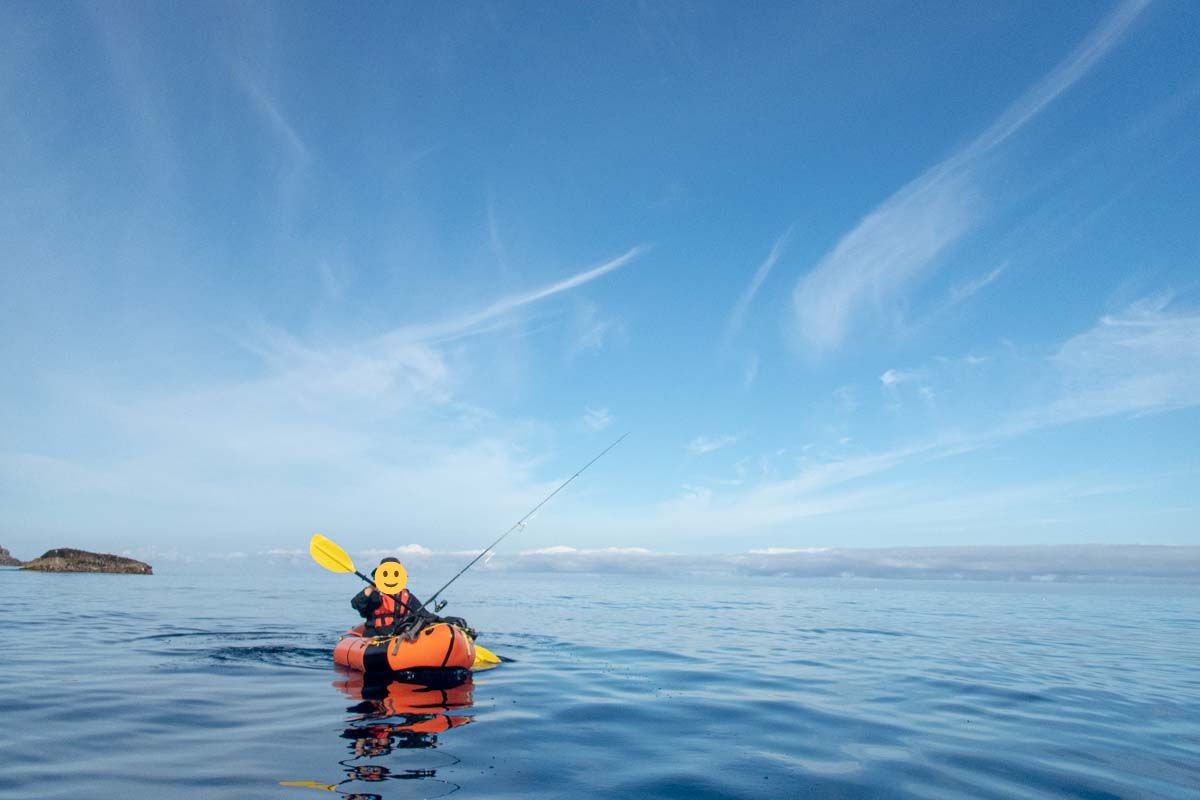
<point>440,646</point>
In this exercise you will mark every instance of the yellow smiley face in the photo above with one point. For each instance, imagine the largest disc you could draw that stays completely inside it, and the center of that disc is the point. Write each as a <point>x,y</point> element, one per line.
<point>391,577</point>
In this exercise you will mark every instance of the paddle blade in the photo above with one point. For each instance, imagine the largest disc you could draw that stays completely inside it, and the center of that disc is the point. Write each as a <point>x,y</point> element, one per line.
<point>310,785</point>
<point>484,658</point>
<point>329,555</point>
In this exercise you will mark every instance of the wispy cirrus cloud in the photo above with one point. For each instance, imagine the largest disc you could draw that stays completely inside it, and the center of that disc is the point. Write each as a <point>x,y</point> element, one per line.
<point>592,331</point>
<point>750,370</point>
<point>893,380</point>
<point>597,419</point>
<point>972,287</point>
<point>479,320</point>
<point>1144,359</point>
<point>891,247</point>
<point>402,366</point>
<point>268,107</point>
<point>366,433</point>
<point>738,315</point>
<point>1141,359</point>
<point>899,243</point>
<point>708,444</point>
<point>895,377</point>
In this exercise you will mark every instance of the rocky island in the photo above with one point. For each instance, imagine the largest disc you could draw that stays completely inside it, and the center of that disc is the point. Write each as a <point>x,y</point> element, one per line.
<point>66,559</point>
<point>6,559</point>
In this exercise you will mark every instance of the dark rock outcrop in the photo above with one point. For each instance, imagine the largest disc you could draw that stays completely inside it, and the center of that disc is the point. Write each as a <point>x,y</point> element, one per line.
<point>65,559</point>
<point>6,559</point>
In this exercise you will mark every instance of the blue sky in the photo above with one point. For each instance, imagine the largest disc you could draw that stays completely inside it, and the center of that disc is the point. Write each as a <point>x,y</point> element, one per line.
<point>854,275</point>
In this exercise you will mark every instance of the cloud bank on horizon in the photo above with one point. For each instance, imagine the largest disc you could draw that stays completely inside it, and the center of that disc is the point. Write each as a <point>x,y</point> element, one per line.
<point>850,285</point>
<point>1074,563</point>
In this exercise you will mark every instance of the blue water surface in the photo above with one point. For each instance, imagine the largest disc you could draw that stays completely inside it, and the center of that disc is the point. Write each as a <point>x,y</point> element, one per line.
<point>217,682</point>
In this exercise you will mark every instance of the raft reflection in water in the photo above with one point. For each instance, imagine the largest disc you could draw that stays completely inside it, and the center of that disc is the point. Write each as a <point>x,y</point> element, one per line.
<point>396,716</point>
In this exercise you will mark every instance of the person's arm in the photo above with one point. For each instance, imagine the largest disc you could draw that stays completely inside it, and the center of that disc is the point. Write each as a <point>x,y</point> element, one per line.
<point>413,603</point>
<point>366,601</point>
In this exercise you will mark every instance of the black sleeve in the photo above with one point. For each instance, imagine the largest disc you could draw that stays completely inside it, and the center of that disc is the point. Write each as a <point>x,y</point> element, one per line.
<point>413,603</point>
<point>365,604</point>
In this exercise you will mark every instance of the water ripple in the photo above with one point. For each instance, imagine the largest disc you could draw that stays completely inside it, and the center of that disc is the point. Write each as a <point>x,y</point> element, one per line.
<point>781,689</point>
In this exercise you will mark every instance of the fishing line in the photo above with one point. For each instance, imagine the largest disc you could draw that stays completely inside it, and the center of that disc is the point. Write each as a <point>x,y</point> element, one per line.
<point>520,524</point>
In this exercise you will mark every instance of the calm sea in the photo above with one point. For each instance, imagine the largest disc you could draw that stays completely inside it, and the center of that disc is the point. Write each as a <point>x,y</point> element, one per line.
<point>217,683</point>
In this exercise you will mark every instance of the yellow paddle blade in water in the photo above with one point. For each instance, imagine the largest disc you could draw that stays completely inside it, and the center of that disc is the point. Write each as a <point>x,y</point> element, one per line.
<point>329,555</point>
<point>310,785</point>
<point>484,658</point>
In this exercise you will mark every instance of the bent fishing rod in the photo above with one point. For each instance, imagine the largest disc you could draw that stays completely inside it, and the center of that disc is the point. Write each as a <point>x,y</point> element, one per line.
<point>521,522</point>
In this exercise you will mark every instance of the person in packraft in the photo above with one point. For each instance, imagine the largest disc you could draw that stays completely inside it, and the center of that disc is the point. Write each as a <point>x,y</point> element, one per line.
<point>388,603</point>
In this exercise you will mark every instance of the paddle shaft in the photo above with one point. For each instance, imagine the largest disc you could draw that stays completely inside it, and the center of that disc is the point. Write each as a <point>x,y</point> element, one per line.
<point>521,521</point>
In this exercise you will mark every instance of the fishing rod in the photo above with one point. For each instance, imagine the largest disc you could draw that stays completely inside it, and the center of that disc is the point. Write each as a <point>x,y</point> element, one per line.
<point>521,522</point>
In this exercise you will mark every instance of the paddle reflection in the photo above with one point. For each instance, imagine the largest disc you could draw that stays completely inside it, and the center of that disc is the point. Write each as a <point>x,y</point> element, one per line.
<point>390,719</point>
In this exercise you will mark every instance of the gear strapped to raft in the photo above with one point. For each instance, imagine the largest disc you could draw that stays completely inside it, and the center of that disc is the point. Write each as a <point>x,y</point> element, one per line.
<point>407,628</point>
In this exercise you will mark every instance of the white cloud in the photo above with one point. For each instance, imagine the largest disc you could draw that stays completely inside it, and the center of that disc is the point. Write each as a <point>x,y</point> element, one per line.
<point>1146,358</point>
<point>591,332</point>
<point>349,437</point>
<point>570,559</point>
<point>776,503</point>
<point>893,377</point>
<point>889,249</point>
<point>1039,563</point>
<point>1143,360</point>
<point>738,315</point>
<point>268,107</point>
<point>406,550</point>
<point>597,418</point>
<point>484,319</point>
<point>751,371</point>
<point>963,291</point>
<point>1062,77</point>
<point>1068,563</point>
<point>707,444</point>
<point>899,243</point>
<point>559,549</point>
<point>694,496</point>
<point>495,240</point>
<point>513,302</point>
<point>781,551</point>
